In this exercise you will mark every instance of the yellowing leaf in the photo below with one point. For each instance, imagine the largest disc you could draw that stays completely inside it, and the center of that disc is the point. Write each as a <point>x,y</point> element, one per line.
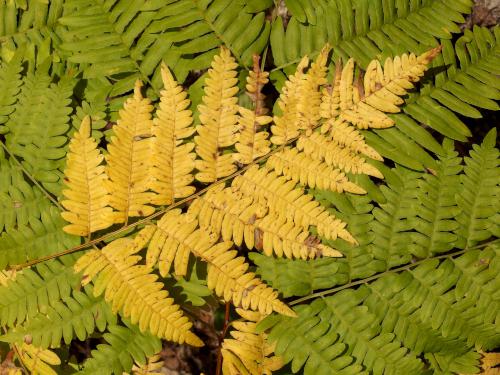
<point>87,198</point>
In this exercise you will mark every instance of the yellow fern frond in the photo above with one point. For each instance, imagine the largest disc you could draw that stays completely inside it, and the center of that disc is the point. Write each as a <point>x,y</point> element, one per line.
<point>152,366</point>
<point>330,96</point>
<point>218,116</point>
<point>248,352</point>
<point>172,159</point>
<point>228,214</point>
<point>284,199</point>
<point>365,105</point>
<point>300,168</point>
<point>36,360</point>
<point>320,147</point>
<point>276,235</point>
<point>347,136</point>
<point>129,159</point>
<point>253,143</point>
<point>229,279</point>
<point>87,198</point>
<point>175,238</point>
<point>133,290</point>
<point>310,96</point>
<point>286,125</point>
<point>236,218</point>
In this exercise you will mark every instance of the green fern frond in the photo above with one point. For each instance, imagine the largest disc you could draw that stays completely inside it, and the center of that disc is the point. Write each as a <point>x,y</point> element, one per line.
<point>477,199</point>
<point>454,363</point>
<point>42,235</point>
<point>76,316</point>
<point>124,346</point>
<point>365,29</point>
<point>10,81</point>
<point>41,147</point>
<point>34,290</point>
<point>19,201</point>
<point>387,324</point>
<point>470,65</point>
<point>116,37</point>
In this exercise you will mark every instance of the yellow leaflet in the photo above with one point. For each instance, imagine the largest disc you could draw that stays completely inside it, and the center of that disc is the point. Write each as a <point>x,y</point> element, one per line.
<point>286,125</point>
<point>172,159</point>
<point>87,198</point>
<point>253,143</point>
<point>320,147</point>
<point>133,289</point>
<point>36,360</point>
<point>248,352</point>
<point>229,279</point>
<point>129,159</point>
<point>152,366</point>
<point>218,116</point>
<point>300,168</point>
<point>283,199</point>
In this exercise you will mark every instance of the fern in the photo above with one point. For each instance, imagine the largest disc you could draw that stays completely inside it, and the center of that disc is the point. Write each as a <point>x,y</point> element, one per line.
<point>388,312</point>
<point>125,344</point>
<point>33,292</point>
<point>145,126</point>
<point>111,38</point>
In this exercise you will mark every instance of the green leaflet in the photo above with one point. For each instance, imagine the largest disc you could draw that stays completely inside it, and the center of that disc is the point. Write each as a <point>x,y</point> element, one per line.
<point>41,147</point>
<point>19,202</point>
<point>478,197</point>
<point>34,290</point>
<point>386,324</point>
<point>124,346</point>
<point>35,239</point>
<point>116,37</point>
<point>75,316</point>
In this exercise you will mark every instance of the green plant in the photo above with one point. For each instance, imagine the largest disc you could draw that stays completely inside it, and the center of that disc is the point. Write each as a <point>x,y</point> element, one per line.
<point>129,203</point>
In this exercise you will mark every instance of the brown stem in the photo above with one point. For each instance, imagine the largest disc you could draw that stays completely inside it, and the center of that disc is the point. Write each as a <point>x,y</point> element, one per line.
<point>221,339</point>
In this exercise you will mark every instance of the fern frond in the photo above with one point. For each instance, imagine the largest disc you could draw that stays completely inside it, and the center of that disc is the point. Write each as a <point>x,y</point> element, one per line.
<point>236,218</point>
<point>41,148</point>
<point>19,201</point>
<point>86,196</point>
<point>309,93</point>
<point>173,160</point>
<point>228,277</point>
<point>129,41</point>
<point>455,363</point>
<point>283,199</point>
<point>382,90</point>
<point>228,214</point>
<point>41,236</point>
<point>218,116</point>
<point>477,199</point>
<point>32,292</point>
<point>436,209</point>
<point>36,360</point>
<point>125,344</point>
<point>300,168</point>
<point>76,316</point>
<point>320,147</point>
<point>152,366</point>
<point>310,341</point>
<point>300,277</point>
<point>128,164</point>
<point>364,29</point>
<point>10,81</point>
<point>253,143</point>
<point>286,125</point>
<point>248,352</point>
<point>347,136</point>
<point>176,236</point>
<point>133,290</point>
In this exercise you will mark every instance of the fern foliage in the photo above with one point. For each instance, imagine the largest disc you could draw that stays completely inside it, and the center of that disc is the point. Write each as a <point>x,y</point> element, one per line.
<point>154,168</point>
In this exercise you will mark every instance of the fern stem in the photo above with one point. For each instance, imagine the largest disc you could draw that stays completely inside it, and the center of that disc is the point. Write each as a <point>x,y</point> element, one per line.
<point>379,275</point>
<point>25,171</point>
